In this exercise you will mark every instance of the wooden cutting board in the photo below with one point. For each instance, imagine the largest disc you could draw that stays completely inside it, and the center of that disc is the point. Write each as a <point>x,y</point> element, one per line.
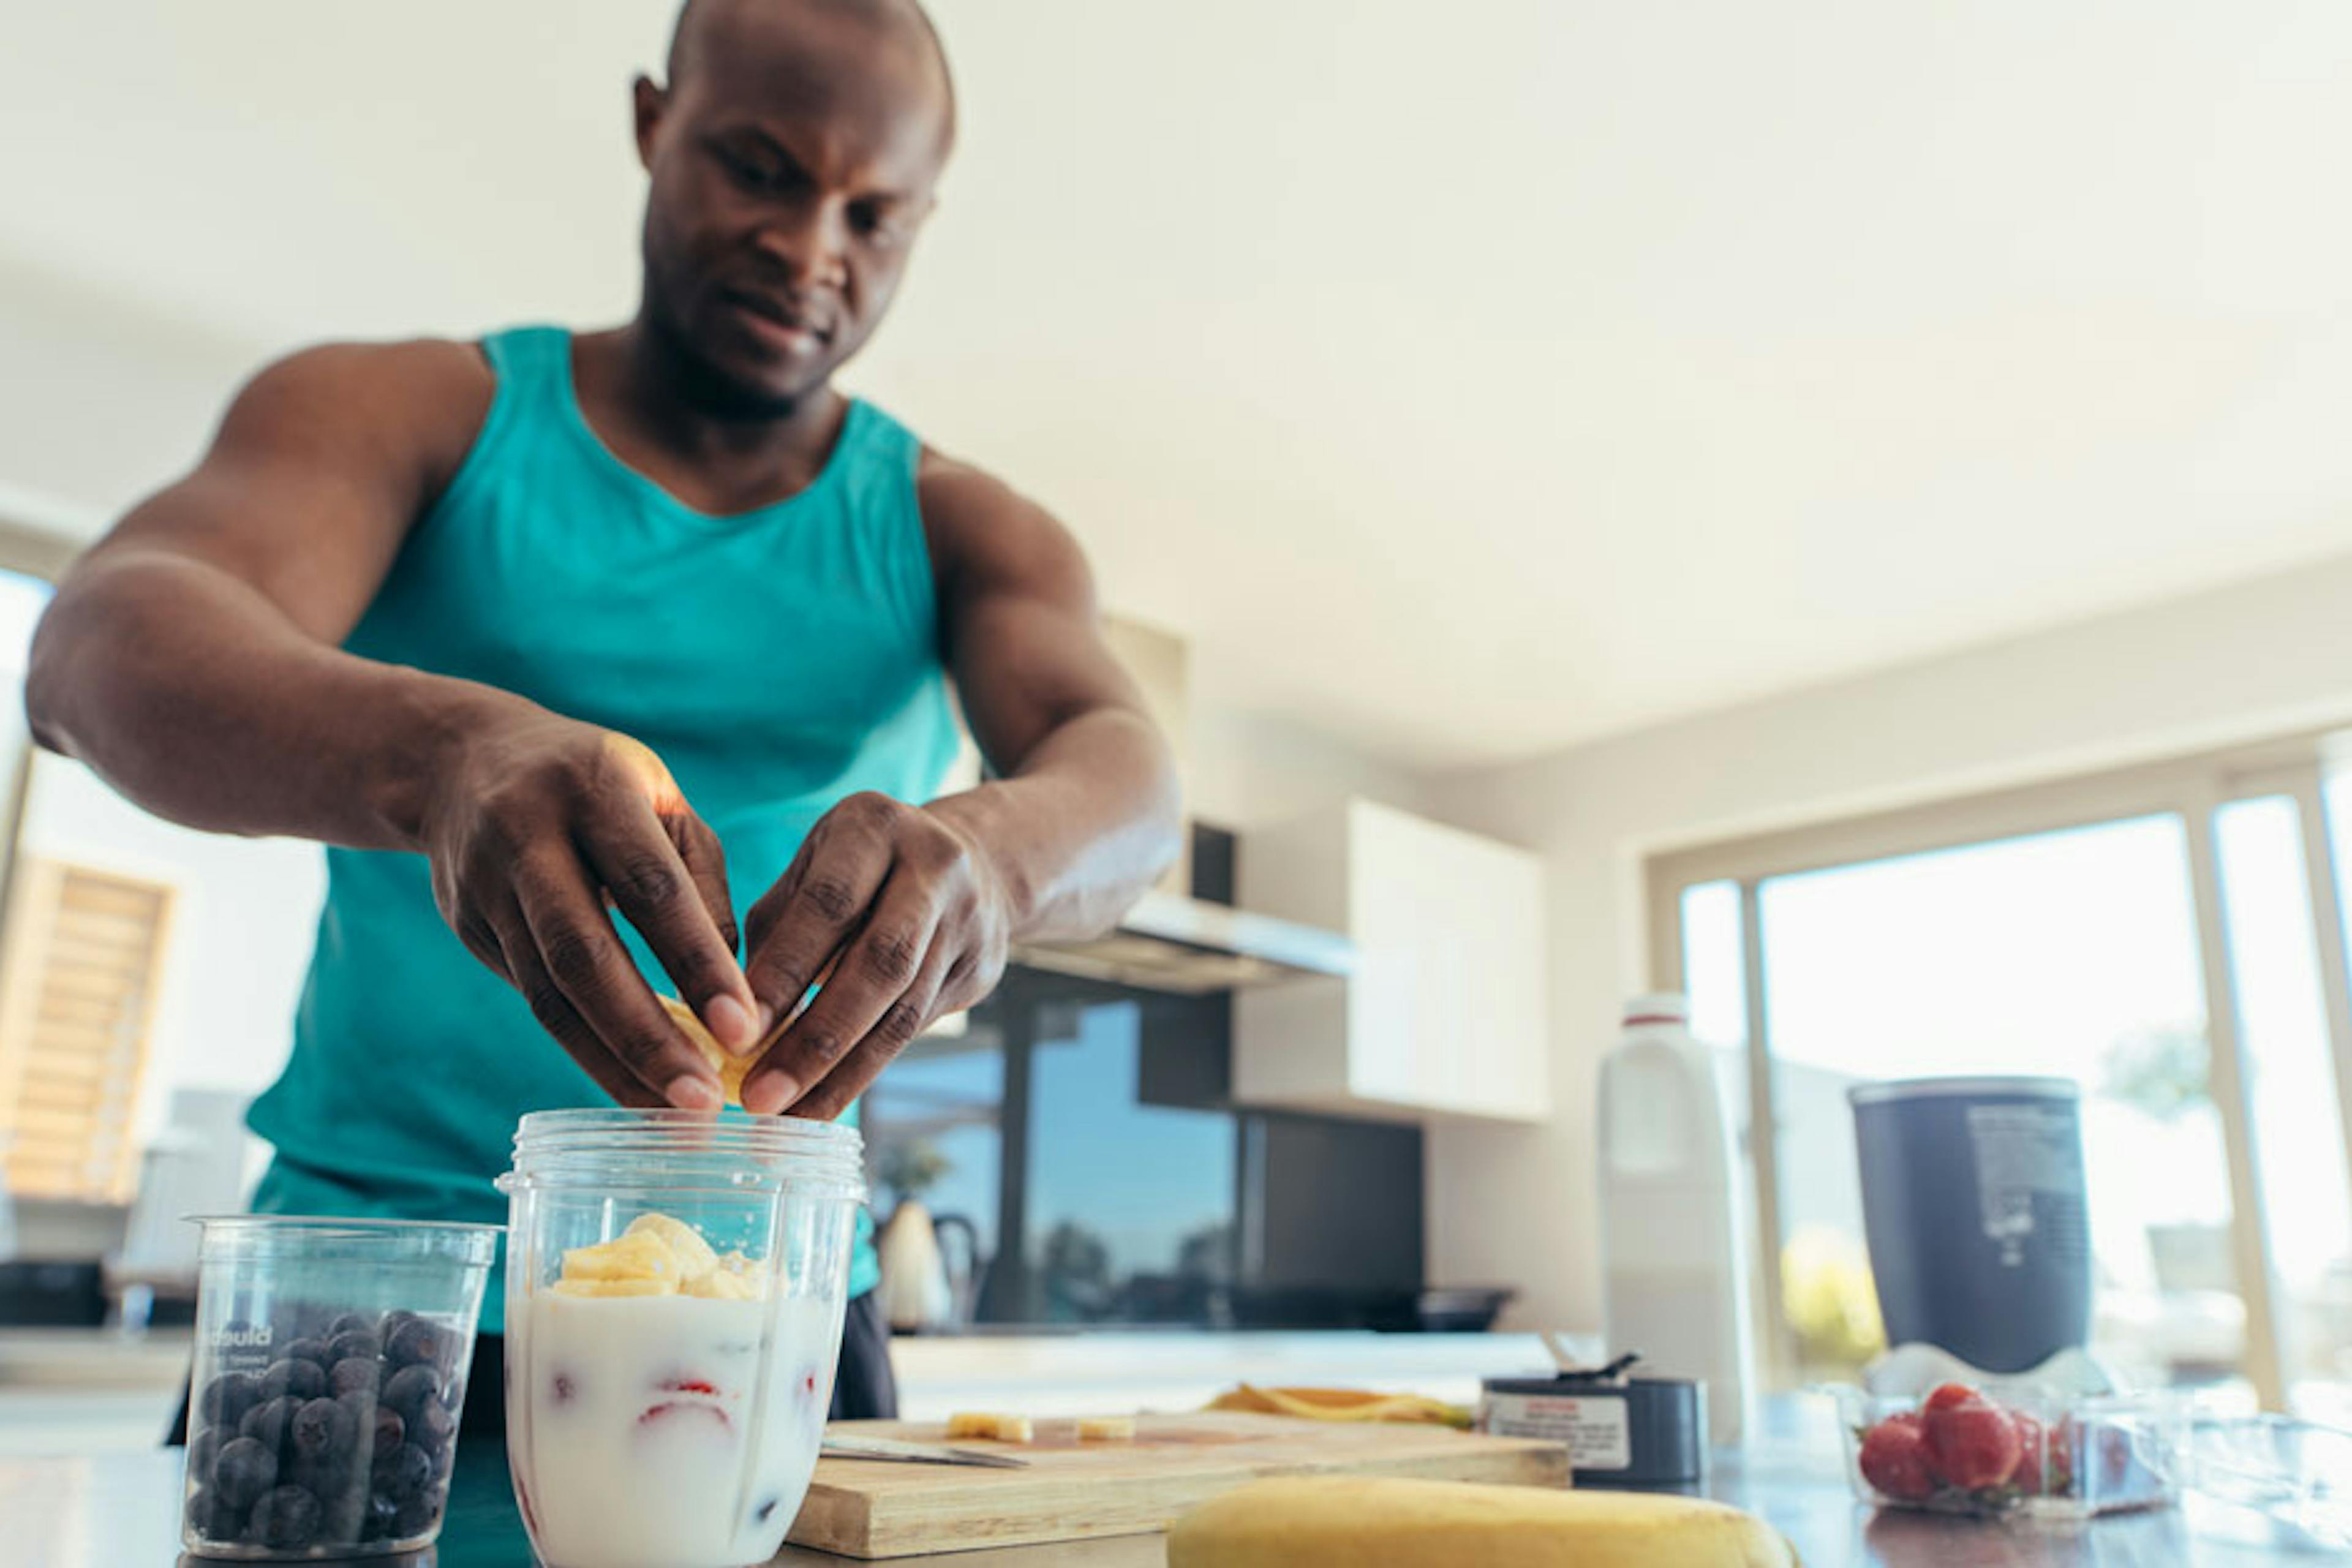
<point>1072,1491</point>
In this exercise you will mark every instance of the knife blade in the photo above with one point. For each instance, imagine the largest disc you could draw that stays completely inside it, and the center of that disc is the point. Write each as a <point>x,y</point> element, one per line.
<point>891,1448</point>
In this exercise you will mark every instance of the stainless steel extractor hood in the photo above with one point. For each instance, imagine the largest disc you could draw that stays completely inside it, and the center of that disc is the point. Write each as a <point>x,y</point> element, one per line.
<point>1171,941</point>
<point>1190,946</point>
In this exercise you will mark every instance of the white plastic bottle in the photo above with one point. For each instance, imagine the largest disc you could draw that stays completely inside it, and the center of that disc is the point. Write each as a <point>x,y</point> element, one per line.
<point>1673,1236</point>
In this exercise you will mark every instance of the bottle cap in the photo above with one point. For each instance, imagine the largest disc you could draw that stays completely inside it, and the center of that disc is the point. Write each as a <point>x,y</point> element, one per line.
<point>1658,1007</point>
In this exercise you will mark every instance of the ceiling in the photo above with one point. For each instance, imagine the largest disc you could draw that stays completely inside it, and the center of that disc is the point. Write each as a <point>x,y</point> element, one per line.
<point>1464,383</point>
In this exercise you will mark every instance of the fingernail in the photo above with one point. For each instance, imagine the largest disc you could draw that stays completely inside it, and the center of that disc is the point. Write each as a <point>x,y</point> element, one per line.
<point>688,1092</point>
<point>732,1024</point>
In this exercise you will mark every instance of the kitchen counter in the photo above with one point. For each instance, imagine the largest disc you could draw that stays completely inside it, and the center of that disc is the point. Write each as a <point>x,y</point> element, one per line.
<point>121,1511</point>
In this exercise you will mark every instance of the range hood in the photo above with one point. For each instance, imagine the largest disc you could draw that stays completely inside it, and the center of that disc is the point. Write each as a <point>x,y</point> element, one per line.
<point>1173,940</point>
<point>1190,947</point>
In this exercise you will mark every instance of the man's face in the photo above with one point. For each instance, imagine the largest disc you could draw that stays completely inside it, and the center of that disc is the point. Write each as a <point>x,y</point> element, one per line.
<point>791,169</point>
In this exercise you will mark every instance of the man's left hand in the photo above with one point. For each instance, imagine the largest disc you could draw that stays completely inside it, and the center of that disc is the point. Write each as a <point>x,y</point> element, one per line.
<point>900,915</point>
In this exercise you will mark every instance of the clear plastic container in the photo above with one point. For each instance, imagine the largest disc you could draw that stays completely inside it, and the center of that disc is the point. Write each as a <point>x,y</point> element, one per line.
<point>667,1377</point>
<point>331,1363</point>
<point>2297,1474</point>
<point>2076,1457</point>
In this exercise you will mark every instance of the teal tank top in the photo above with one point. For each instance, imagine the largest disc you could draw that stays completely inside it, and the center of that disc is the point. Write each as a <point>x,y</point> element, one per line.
<point>777,661</point>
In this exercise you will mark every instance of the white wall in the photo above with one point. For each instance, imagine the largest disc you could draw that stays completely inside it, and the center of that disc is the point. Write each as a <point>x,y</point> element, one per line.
<point>1247,769</point>
<point>2237,663</point>
<point>104,401</point>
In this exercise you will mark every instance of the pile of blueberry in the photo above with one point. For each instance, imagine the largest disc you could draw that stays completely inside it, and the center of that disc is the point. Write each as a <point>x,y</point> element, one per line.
<point>345,1438</point>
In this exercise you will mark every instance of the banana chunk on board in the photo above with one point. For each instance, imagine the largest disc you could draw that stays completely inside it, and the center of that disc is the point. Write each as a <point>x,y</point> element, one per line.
<point>1002,1428</point>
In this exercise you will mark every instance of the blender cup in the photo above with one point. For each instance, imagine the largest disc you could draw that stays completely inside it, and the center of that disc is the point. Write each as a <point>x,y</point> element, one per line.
<point>331,1364</point>
<point>675,1292</point>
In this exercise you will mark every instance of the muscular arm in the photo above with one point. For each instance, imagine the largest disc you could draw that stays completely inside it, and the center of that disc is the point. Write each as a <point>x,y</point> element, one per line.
<point>1083,812</point>
<point>192,659</point>
<point>190,656</point>
<point>906,912</point>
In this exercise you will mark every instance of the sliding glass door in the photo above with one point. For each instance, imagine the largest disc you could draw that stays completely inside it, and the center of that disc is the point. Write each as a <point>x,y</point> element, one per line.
<point>2181,958</point>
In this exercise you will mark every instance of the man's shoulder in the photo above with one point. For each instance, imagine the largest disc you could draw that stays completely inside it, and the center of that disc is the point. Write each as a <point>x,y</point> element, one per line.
<point>424,398</point>
<point>981,528</point>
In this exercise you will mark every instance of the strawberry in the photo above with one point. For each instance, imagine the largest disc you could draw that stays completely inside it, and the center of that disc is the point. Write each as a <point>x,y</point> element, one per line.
<point>1972,1445</point>
<point>1894,1458</point>
<point>1947,1396</point>
<point>2045,1465</point>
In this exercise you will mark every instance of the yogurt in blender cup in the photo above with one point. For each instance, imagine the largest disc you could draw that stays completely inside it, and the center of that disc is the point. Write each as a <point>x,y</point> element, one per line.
<point>665,1400</point>
<point>669,1428</point>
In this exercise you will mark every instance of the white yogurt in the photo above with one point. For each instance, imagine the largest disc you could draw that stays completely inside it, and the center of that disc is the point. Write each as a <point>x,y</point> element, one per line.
<point>666,1431</point>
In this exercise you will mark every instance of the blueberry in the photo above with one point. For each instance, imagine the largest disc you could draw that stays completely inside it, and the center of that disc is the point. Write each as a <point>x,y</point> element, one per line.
<point>415,1344</point>
<point>284,1520</point>
<point>389,1430</point>
<point>401,1473</point>
<point>209,1515</point>
<point>376,1524</point>
<point>444,1459</point>
<point>203,1448</point>
<point>302,1379</point>
<point>352,1323</point>
<point>243,1471</point>
<point>313,1351</point>
<point>354,1342</point>
<point>266,1423</point>
<point>355,1375</point>
<point>430,1427</point>
<point>760,1515</point>
<point>416,1516</point>
<point>411,1389</point>
<point>324,1429</point>
<point>228,1396</point>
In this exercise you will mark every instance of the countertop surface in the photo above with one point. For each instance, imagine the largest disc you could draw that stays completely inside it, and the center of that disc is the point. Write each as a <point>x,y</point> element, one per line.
<point>120,1510</point>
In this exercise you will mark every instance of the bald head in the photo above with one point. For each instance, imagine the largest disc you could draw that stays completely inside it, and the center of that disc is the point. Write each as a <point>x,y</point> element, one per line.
<point>894,23</point>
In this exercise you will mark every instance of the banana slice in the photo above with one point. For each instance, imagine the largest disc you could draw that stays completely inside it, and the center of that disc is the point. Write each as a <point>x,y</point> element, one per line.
<point>729,1067</point>
<point>718,1284</point>
<point>686,1243</point>
<point>1106,1428</point>
<point>633,1255</point>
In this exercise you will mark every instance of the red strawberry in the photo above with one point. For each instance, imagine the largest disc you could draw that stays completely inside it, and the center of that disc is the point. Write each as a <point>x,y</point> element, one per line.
<point>1972,1445</point>
<point>2045,1463</point>
<point>674,1410</point>
<point>1949,1395</point>
<point>1894,1458</point>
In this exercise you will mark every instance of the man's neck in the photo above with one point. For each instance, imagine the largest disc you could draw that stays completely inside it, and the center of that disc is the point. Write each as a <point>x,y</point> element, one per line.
<point>669,396</point>
<point>664,414</point>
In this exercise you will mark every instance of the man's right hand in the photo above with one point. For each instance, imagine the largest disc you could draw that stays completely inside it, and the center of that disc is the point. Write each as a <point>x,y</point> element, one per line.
<point>532,824</point>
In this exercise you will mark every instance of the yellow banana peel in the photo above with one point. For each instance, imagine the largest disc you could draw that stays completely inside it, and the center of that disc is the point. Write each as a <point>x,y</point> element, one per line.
<point>1341,1405</point>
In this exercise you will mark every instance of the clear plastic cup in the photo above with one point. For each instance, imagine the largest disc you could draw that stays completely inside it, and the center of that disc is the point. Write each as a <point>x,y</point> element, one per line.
<point>331,1364</point>
<point>666,1395</point>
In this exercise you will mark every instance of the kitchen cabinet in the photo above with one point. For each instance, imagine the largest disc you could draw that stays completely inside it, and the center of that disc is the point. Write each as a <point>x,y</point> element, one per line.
<point>1445,1012</point>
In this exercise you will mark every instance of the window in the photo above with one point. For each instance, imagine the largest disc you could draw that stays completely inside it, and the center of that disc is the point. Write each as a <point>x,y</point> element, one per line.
<point>2170,937</point>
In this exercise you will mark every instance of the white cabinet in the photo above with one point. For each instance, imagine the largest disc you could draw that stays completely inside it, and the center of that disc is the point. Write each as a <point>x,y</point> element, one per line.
<point>1445,1012</point>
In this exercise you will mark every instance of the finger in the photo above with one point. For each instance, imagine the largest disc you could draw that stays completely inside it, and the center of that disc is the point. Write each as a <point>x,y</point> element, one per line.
<point>900,1022</point>
<point>878,966</point>
<point>519,961</point>
<point>809,915</point>
<point>633,854</point>
<point>581,955</point>
<point>482,941</point>
<point>705,862</point>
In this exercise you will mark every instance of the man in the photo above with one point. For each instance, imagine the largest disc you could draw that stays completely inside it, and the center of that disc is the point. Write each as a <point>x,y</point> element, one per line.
<point>650,616</point>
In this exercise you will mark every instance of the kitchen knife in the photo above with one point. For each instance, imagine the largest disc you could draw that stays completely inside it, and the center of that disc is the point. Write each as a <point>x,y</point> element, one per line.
<point>848,1447</point>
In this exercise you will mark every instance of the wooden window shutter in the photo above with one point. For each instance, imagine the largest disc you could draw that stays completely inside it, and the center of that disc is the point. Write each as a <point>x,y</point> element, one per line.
<point>81,957</point>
